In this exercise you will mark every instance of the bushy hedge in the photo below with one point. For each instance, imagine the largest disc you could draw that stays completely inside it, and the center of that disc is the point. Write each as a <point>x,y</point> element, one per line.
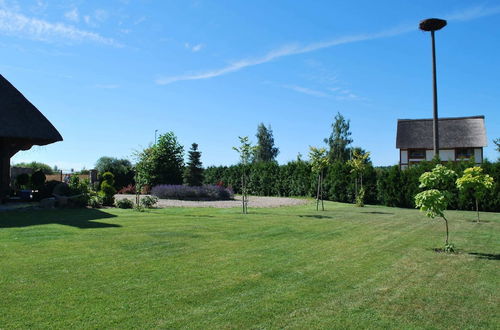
<point>205,192</point>
<point>388,186</point>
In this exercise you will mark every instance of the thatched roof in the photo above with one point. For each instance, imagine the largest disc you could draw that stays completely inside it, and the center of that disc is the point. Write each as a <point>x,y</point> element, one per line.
<point>460,132</point>
<point>21,120</point>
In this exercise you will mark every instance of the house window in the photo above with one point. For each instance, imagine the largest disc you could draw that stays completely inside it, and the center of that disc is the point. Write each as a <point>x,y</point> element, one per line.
<point>464,153</point>
<point>416,153</point>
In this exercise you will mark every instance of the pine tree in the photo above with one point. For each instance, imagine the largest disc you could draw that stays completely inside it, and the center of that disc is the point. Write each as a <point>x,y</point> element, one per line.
<point>193,174</point>
<point>265,150</point>
<point>339,139</point>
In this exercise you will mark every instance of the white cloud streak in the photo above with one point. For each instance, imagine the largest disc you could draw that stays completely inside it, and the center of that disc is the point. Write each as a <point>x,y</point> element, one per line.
<point>282,52</point>
<point>305,90</point>
<point>473,13</point>
<point>465,15</point>
<point>19,25</point>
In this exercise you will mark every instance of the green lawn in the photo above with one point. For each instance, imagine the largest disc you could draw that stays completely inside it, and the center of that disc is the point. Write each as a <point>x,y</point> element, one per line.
<point>371,267</point>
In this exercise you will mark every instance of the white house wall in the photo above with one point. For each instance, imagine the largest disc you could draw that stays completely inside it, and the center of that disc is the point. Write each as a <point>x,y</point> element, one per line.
<point>429,154</point>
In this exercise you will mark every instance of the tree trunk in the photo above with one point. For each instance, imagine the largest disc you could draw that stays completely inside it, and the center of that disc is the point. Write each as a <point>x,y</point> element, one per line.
<point>477,210</point>
<point>317,192</point>
<point>321,185</point>
<point>447,235</point>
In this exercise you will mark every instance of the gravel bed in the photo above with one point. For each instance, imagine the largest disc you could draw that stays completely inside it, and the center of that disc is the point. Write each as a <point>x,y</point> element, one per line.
<point>253,201</point>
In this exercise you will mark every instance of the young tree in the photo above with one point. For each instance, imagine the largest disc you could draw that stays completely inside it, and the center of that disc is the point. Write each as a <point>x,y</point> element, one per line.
<point>358,163</point>
<point>475,181</point>
<point>193,173</point>
<point>339,139</point>
<point>319,161</point>
<point>435,200</point>
<point>265,151</point>
<point>161,163</point>
<point>246,150</point>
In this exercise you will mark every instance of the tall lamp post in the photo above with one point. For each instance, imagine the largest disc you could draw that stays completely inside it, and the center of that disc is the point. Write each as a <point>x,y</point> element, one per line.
<point>432,25</point>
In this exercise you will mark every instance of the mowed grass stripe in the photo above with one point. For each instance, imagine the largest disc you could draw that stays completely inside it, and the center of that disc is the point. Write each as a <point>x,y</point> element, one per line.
<point>273,268</point>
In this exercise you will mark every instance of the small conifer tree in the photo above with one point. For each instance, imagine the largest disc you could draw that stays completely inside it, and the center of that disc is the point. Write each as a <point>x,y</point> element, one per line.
<point>193,173</point>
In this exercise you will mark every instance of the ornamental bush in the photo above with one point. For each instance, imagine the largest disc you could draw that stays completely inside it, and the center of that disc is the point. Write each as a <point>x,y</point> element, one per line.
<point>107,191</point>
<point>124,203</point>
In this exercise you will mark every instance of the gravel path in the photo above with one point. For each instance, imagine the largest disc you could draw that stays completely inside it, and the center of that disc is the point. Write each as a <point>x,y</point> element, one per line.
<point>253,201</point>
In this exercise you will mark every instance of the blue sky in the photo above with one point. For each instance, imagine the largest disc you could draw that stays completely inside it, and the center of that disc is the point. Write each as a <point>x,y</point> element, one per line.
<point>108,74</point>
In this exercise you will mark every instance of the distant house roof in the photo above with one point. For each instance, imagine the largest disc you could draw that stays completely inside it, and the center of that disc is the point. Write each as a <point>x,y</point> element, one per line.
<point>21,120</point>
<point>459,132</point>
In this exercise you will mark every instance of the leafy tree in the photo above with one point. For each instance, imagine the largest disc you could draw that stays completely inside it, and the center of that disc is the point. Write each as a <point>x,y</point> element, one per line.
<point>36,166</point>
<point>435,200</point>
<point>122,170</point>
<point>319,161</point>
<point>359,163</point>
<point>245,150</point>
<point>265,150</point>
<point>475,181</point>
<point>161,163</point>
<point>497,143</point>
<point>193,173</point>
<point>339,139</point>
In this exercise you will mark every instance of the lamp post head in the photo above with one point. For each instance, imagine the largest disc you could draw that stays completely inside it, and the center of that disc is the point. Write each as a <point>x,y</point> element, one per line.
<point>432,24</point>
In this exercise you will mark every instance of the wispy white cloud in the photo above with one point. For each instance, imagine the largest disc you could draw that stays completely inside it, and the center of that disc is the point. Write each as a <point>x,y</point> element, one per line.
<point>19,25</point>
<point>72,15</point>
<point>305,90</point>
<point>464,15</point>
<point>281,52</point>
<point>473,13</point>
<point>96,18</point>
<point>194,48</point>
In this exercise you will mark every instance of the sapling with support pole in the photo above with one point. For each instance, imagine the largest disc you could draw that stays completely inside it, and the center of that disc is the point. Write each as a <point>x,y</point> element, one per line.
<point>246,151</point>
<point>319,161</point>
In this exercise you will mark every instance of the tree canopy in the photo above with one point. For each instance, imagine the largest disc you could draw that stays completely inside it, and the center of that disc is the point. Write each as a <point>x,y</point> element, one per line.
<point>161,163</point>
<point>265,150</point>
<point>339,139</point>
<point>36,166</point>
<point>122,170</point>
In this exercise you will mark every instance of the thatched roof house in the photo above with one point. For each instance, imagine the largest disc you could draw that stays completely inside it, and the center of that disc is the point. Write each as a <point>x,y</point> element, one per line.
<point>459,138</point>
<point>22,126</point>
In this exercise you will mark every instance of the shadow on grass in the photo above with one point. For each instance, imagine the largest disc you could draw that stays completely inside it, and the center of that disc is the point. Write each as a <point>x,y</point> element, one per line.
<point>316,216</point>
<point>377,212</point>
<point>80,218</point>
<point>487,256</point>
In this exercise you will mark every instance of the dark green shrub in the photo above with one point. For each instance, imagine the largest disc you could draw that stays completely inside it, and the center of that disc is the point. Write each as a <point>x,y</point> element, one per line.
<point>38,179</point>
<point>47,189</point>
<point>95,201</point>
<point>61,189</point>
<point>149,201</point>
<point>124,203</point>
<point>22,180</point>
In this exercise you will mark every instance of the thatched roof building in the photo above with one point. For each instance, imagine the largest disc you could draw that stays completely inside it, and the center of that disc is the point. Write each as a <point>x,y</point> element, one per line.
<point>459,138</point>
<point>22,126</point>
<point>463,132</point>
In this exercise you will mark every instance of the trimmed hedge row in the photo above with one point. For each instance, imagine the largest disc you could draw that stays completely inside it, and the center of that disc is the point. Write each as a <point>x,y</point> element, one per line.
<point>388,186</point>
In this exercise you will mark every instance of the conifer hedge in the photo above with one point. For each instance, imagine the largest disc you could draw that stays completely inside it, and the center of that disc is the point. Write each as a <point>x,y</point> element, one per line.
<point>388,186</point>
